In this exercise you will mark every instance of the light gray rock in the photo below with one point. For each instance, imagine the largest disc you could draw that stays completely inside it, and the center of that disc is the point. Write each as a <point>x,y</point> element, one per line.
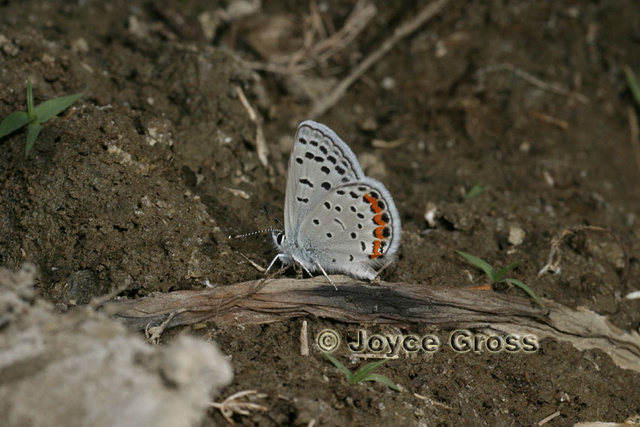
<point>83,369</point>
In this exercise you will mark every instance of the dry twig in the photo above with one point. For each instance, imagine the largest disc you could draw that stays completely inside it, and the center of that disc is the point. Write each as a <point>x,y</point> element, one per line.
<point>555,254</point>
<point>545,420</point>
<point>153,333</point>
<point>261,143</point>
<point>312,53</point>
<point>304,339</point>
<point>99,300</point>
<point>429,11</point>
<point>433,402</point>
<point>546,118</point>
<point>531,79</point>
<point>232,404</point>
<point>254,264</point>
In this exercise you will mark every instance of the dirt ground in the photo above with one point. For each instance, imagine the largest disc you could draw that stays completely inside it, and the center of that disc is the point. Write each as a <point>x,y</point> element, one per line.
<point>139,185</point>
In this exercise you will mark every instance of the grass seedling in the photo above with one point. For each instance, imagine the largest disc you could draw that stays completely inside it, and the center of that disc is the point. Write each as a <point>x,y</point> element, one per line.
<point>475,191</point>
<point>34,117</point>
<point>632,82</point>
<point>499,276</point>
<point>363,374</point>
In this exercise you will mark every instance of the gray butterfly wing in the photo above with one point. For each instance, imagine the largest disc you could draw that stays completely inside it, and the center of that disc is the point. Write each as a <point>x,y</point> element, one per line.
<point>319,162</point>
<point>354,229</point>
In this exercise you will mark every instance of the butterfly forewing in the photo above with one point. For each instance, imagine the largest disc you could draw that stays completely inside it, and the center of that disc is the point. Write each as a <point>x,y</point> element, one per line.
<point>319,162</point>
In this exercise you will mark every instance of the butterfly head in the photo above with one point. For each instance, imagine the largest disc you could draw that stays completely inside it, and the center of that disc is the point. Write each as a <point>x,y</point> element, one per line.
<point>279,240</point>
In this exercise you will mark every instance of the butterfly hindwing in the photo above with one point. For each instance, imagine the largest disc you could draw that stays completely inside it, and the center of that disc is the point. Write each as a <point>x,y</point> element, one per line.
<point>353,230</point>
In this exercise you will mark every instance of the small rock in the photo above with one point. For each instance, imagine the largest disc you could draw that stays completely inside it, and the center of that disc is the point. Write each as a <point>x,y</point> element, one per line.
<point>80,45</point>
<point>516,235</point>
<point>388,83</point>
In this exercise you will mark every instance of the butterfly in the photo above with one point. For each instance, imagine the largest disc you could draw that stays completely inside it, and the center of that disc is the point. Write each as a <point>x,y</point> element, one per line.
<point>336,219</point>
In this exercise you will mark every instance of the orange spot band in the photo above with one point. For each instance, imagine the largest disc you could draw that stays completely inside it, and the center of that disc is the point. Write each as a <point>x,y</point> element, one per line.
<point>378,219</point>
<point>374,203</point>
<point>376,250</point>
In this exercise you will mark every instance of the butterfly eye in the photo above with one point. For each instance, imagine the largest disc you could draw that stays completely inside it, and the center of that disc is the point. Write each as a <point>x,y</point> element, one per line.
<point>279,238</point>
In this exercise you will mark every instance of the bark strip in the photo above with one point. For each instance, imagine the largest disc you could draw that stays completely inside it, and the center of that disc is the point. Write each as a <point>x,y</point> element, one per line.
<point>273,300</point>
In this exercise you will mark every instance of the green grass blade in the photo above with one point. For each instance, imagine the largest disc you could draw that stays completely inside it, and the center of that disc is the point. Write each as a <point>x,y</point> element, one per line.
<point>479,263</point>
<point>30,111</point>
<point>33,130</point>
<point>633,84</point>
<point>338,365</point>
<point>475,191</point>
<point>363,372</point>
<point>506,269</point>
<point>526,289</point>
<point>53,107</point>
<point>13,122</point>
<point>384,380</point>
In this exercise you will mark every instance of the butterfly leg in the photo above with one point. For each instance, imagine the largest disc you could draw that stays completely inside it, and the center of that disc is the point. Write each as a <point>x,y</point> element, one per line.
<point>297,261</point>
<point>326,275</point>
<point>279,256</point>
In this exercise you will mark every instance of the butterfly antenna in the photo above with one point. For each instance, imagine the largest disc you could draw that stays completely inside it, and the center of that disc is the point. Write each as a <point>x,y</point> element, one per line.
<point>253,233</point>
<point>266,212</point>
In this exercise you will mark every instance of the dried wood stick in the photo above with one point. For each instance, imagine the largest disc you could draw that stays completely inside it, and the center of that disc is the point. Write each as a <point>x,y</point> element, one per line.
<point>402,304</point>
